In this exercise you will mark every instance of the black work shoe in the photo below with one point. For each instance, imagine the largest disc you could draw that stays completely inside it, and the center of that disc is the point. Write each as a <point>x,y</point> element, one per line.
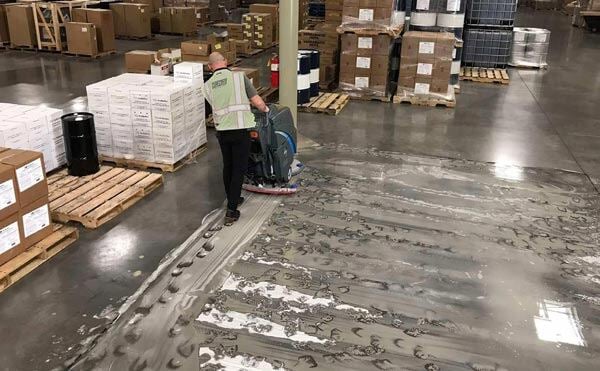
<point>232,216</point>
<point>241,201</point>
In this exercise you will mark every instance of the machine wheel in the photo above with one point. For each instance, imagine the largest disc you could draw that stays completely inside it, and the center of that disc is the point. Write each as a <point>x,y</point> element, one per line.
<point>288,177</point>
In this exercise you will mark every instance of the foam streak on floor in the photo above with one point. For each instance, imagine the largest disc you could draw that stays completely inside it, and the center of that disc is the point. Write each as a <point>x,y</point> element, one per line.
<point>387,261</point>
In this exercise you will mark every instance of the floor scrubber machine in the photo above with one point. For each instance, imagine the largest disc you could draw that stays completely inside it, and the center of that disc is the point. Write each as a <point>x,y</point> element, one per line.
<point>272,153</point>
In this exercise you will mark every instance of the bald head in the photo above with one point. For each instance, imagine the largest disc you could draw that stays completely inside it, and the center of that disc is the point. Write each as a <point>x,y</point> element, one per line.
<point>216,60</point>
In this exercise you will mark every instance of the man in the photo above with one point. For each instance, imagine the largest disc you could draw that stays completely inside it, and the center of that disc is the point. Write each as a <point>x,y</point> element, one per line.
<point>230,94</point>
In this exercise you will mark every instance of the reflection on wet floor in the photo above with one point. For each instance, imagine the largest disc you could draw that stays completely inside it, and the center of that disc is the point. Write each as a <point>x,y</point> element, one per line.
<point>385,261</point>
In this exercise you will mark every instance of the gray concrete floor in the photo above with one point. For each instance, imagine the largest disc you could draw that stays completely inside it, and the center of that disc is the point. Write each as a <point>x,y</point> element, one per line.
<point>542,119</point>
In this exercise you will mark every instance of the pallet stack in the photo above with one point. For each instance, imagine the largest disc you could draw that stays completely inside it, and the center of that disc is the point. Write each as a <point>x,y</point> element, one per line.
<point>132,21</point>
<point>177,21</point>
<point>259,29</point>
<point>91,33</point>
<point>368,31</point>
<point>148,118</point>
<point>34,128</point>
<point>24,213</point>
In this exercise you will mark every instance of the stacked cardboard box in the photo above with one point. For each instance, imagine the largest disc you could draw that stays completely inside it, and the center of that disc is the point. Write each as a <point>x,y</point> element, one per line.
<point>202,15</point>
<point>24,211</point>
<point>302,13</point>
<point>325,39</point>
<point>259,29</point>
<point>235,31</point>
<point>21,26</point>
<point>273,10</point>
<point>82,38</point>
<point>243,47</point>
<point>179,20</point>
<point>148,117</point>
<point>252,73</point>
<point>368,13</point>
<point>221,44</point>
<point>139,61</point>
<point>102,19</point>
<point>34,128</point>
<point>333,11</point>
<point>132,20</point>
<point>364,63</point>
<point>425,62</point>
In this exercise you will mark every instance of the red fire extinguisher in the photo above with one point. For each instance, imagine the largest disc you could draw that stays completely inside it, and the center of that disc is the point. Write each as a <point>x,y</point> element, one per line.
<point>274,63</point>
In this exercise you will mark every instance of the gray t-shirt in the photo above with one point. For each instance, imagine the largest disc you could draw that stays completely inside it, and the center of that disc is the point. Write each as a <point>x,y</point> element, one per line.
<point>250,89</point>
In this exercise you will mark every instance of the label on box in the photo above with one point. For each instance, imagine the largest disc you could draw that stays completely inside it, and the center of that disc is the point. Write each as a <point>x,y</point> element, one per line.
<point>83,29</point>
<point>366,14</point>
<point>453,5</point>
<point>36,220</point>
<point>260,28</point>
<point>9,237</point>
<point>30,175</point>
<point>540,38</point>
<point>423,4</point>
<point>421,88</point>
<point>454,53</point>
<point>7,194</point>
<point>141,10</point>
<point>198,15</point>
<point>426,47</point>
<point>363,62</point>
<point>217,46</point>
<point>365,43</point>
<point>424,69</point>
<point>361,82</point>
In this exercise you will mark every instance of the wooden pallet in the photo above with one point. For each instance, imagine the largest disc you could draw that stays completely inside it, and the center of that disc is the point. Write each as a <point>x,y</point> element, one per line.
<point>147,165</point>
<point>329,103</point>
<point>99,55</point>
<point>96,199</point>
<point>427,100</point>
<point>367,97</point>
<point>26,262</point>
<point>23,48</point>
<point>487,75</point>
<point>359,28</point>
<point>184,34</point>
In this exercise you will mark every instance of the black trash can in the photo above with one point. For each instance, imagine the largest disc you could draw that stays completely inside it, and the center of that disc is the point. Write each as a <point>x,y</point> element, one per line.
<point>80,143</point>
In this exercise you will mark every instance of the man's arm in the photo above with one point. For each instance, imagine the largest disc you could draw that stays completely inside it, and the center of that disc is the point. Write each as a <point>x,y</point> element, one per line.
<point>252,94</point>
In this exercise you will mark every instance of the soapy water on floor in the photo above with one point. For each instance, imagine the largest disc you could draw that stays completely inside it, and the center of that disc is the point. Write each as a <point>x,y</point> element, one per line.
<point>385,261</point>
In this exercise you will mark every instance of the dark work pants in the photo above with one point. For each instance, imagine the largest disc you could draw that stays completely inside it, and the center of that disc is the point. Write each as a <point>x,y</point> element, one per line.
<point>235,147</point>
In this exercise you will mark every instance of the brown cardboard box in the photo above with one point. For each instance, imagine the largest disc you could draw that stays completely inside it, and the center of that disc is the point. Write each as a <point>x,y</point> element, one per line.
<point>79,15</point>
<point>202,15</point>
<point>213,39</point>
<point>230,56</point>
<point>195,58</point>
<point>118,10</point>
<point>383,14</point>
<point>30,171</point>
<point>273,10</point>
<point>139,61</point>
<point>21,26</point>
<point>243,46</point>
<point>407,82</point>
<point>367,3</point>
<point>164,16</point>
<point>252,73</point>
<point>183,20</point>
<point>221,47</point>
<point>11,238</point>
<point>195,47</point>
<point>105,29</point>
<point>9,196</point>
<point>35,220</point>
<point>385,4</point>
<point>4,35</point>
<point>137,17</point>
<point>235,31</point>
<point>81,38</point>
<point>351,3</point>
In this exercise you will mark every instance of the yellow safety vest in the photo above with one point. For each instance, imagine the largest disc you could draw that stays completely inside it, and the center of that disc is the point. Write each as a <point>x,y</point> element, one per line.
<point>226,93</point>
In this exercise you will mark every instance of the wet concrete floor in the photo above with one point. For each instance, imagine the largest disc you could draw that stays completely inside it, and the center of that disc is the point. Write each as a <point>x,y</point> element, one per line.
<point>383,261</point>
<point>544,119</point>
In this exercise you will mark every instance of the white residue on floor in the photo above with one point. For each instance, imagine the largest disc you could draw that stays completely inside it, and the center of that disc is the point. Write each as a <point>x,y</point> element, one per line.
<point>274,291</point>
<point>237,363</point>
<point>254,325</point>
<point>248,256</point>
